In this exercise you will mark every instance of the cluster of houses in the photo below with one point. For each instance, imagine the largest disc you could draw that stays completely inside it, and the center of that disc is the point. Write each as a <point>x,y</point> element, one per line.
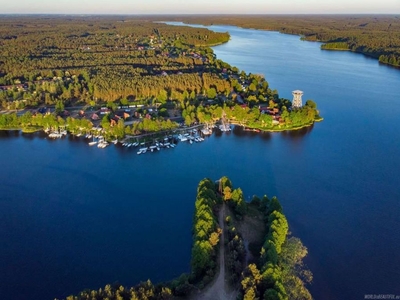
<point>21,87</point>
<point>274,112</point>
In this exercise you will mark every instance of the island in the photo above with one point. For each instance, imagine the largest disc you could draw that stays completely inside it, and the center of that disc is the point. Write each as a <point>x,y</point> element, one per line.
<point>130,80</point>
<point>241,250</point>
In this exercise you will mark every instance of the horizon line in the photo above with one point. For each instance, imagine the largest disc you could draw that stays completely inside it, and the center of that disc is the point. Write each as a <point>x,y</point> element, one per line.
<point>198,14</point>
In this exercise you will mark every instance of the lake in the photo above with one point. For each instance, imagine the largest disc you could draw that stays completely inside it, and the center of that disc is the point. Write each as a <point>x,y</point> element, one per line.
<point>75,217</point>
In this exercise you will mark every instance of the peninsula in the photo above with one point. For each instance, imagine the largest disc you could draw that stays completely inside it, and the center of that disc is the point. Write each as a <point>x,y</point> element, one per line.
<point>241,250</point>
<point>129,77</point>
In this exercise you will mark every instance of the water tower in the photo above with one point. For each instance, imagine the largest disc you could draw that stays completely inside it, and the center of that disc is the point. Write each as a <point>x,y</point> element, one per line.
<point>296,103</point>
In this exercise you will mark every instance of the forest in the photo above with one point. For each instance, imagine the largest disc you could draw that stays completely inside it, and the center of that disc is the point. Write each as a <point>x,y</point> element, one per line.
<point>276,271</point>
<point>74,59</point>
<point>94,62</point>
<point>377,36</point>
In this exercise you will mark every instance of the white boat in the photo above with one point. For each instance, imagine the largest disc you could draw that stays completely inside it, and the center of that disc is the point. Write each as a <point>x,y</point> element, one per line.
<point>102,144</point>
<point>158,148</point>
<point>139,152</point>
<point>92,143</point>
<point>190,141</point>
<point>172,145</point>
<point>55,135</point>
<point>115,141</point>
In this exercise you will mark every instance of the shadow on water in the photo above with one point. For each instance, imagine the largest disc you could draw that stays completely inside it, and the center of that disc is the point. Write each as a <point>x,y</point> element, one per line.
<point>217,133</point>
<point>289,135</point>
<point>35,135</point>
<point>240,132</point>
<point>297,134</point>
<point>9,134</point>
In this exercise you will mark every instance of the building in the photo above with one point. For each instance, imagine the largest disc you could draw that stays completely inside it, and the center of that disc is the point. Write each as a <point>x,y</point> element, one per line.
<point>297,102</point>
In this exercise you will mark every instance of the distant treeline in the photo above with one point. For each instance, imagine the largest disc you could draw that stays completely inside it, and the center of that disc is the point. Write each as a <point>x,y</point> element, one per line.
<point>375,36</point>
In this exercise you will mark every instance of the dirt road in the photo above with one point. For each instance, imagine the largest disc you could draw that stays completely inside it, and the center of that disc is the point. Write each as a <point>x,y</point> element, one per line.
<point>218,290</point>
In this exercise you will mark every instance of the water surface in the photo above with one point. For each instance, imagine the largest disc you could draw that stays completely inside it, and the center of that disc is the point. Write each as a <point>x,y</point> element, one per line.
<point>75,217</point>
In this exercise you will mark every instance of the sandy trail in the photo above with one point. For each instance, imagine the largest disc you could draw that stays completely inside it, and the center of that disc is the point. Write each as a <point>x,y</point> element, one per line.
<point>218,290</point>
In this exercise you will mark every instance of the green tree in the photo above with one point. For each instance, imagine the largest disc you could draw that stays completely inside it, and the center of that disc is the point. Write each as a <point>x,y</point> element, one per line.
<point>162,96</point>
<point>211,93</point>
<point>59,107</point>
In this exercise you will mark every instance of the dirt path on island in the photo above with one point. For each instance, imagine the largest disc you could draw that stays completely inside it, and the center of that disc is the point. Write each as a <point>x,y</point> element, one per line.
<point>218,289</point>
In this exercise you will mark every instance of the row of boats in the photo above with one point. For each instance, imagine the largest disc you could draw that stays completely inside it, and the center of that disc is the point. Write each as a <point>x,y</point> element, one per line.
<point>191,138</point>
<point>157,147</point>
<point>57,134</point>
<point>101,142</point>
<point>224,127</point>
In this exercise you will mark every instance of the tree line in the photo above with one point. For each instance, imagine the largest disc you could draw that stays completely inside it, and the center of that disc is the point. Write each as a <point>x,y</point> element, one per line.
<point>280,273</point>
<point>374,36</point>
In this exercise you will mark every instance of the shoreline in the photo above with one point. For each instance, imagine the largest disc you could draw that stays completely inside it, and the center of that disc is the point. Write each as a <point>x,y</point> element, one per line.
<point>280,129</point>
<point>296,34</point>
<point>149,134</point>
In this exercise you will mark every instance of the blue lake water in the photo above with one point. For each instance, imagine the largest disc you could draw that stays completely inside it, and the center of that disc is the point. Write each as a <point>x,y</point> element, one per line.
<point>75,217</point>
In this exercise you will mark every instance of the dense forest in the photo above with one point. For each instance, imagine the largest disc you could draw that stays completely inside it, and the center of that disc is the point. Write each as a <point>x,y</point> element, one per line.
<point>73,59</point>
<point>276,272</point>
<point>375,36</point>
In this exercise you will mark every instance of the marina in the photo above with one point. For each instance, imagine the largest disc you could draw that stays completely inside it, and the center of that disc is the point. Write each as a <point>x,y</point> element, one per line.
<point>147,142</point>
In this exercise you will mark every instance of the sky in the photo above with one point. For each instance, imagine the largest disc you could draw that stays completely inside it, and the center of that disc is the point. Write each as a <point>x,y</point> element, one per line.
<point>200,6</point>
